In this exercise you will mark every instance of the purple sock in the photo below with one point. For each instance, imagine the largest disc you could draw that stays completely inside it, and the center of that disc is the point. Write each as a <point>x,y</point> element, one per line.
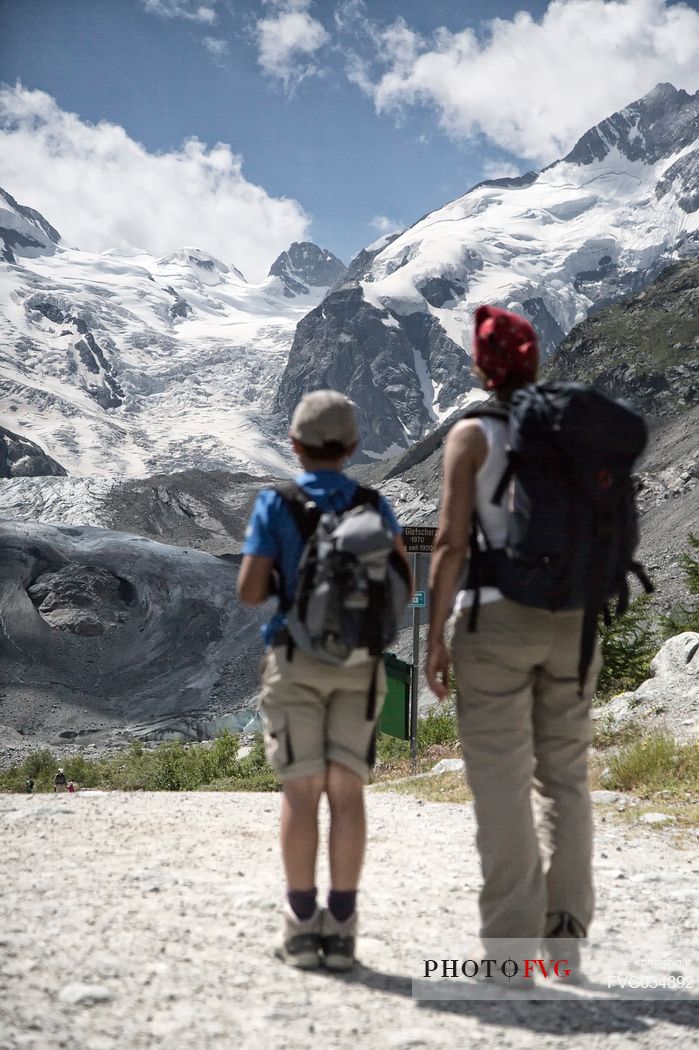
<point>303,902</point>
<point>342,904</point>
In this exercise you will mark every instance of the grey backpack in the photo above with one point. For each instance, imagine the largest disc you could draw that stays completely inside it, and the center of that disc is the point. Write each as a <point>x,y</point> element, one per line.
<point>352,585</point>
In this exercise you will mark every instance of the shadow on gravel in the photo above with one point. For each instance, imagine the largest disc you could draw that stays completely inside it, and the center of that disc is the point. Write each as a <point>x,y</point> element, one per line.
<point>551,1016</point>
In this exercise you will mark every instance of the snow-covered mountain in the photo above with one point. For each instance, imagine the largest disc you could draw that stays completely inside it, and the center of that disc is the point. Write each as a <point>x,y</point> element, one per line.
<point>123,364</point>
<point>556,245</point>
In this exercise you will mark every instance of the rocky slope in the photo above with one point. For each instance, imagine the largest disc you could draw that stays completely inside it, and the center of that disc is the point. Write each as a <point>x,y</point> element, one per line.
<point>107,632</point>
<point>556,245</point>
<point>646,350</point>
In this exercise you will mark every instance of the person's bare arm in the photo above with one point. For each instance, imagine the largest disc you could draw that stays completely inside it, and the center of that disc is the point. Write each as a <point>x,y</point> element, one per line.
<point>254,579</point>
<point>464,453</point>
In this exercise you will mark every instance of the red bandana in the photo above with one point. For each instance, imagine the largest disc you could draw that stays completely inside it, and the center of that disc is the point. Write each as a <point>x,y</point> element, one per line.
<point>505,347</point>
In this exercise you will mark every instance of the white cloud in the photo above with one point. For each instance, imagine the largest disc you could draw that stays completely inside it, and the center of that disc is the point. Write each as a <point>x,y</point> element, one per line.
<point>533,87</point>
<point>382,224</point>
<point>215,46</point>
<point>500,169</point>
<point>192,10</point>
<point>288,41</point>
<point>102,190</point>
<point>351,14</point>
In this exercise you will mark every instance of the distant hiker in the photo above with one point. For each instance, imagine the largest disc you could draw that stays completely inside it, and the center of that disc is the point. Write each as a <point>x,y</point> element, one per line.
<point>342,580</point>
<point>71,787</point>
<point>537,494</point>
<point>29,785</point>
<point>60,782</point>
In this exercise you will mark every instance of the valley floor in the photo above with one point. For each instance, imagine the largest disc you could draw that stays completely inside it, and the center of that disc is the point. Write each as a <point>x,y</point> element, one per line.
<point>167,907</point>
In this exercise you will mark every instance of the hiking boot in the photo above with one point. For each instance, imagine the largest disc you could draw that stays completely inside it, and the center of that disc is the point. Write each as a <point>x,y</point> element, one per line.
<point>337,941</point>
<point>563,940</point>
<point>301,940</point>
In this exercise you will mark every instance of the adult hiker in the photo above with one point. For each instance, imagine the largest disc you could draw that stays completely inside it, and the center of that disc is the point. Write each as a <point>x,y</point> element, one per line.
<point>60,781</point>
<point>526,669</point>
<point>333,553</point>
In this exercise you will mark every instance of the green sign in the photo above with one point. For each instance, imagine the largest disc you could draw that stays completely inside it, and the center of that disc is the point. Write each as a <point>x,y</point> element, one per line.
<point>419,600</point>
<point>395,716</point>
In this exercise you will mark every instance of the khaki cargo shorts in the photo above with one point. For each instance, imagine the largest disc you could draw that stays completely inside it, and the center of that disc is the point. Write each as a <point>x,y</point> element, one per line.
<point>315,713</point>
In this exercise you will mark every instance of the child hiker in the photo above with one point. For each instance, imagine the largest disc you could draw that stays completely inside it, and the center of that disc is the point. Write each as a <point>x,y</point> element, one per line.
<point>319,717</point>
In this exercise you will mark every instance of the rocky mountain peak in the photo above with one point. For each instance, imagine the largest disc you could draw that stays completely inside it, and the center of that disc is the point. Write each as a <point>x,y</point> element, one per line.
<point>24,231</point>
<point>660,124</point>
<point>205,267</point>
<point>22,458</point>
<point>305,266</point>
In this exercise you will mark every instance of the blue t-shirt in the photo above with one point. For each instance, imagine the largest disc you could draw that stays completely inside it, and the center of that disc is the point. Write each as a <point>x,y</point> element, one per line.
<point>272,532</point>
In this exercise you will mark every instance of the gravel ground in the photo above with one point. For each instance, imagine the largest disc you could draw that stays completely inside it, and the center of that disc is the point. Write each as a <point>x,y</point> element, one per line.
<point>148,920</point>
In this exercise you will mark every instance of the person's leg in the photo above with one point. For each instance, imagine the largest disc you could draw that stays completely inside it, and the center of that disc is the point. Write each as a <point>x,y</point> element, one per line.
<point>562,733</point>
<point>353,709</point>
<point>299,830</point>
<point>345,791</point>
<point>494,669</point>
<point>293,712</point>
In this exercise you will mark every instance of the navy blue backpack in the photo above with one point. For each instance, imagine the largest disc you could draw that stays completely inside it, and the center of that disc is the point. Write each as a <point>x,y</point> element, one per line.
<point>572,522</point>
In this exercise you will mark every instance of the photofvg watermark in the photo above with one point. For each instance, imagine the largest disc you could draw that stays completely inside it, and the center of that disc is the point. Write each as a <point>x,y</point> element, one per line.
<point>568,968</point>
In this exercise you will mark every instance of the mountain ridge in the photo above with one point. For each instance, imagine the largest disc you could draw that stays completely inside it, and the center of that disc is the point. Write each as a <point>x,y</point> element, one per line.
<point>555,245</point>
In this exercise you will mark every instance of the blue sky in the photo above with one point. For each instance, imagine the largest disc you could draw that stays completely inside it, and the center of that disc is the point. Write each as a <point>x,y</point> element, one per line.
<point>337,119</point>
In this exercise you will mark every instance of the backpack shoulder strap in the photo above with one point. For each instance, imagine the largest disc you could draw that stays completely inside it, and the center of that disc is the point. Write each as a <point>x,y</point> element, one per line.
<point>304,511</point>
<point>490,409</point>
<point>364,495</point>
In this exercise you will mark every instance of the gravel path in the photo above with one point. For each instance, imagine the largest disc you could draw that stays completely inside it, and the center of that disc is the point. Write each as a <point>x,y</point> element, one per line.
<point>166,907</point>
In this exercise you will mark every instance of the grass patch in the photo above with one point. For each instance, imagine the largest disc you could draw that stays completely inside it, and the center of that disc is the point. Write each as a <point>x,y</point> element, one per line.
<point>168,767</point>
<point>445,787</point>
<point>654,765</point>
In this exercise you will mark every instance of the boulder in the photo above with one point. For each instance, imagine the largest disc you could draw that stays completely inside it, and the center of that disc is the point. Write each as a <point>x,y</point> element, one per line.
<point>669,700</point>
<point>448,765</point>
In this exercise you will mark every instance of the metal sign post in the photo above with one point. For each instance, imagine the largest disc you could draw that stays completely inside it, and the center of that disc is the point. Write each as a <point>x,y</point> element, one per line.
<point>418,541</point>
<point>416,666</point>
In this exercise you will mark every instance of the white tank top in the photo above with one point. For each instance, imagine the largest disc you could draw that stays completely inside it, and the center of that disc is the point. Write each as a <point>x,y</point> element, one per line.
<point>493,517</point>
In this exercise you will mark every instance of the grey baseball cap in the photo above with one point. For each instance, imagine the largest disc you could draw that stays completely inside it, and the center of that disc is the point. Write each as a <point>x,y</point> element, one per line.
<point>325,417</point>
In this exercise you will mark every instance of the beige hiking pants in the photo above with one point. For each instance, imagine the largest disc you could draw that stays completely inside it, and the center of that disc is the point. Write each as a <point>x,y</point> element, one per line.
<point>525,733</point>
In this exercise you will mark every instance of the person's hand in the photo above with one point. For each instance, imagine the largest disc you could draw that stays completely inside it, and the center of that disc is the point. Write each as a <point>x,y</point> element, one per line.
<point>437,667</point>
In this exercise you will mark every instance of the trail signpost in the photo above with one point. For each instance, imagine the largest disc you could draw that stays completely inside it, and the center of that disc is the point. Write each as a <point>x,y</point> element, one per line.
<point>418,541</point>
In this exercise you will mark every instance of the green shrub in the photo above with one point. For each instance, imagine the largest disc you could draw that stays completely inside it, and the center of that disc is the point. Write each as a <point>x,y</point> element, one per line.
<point>686,617</point>
<point>437,727</point>
<point>629,644</point>
<point>172,766</point>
